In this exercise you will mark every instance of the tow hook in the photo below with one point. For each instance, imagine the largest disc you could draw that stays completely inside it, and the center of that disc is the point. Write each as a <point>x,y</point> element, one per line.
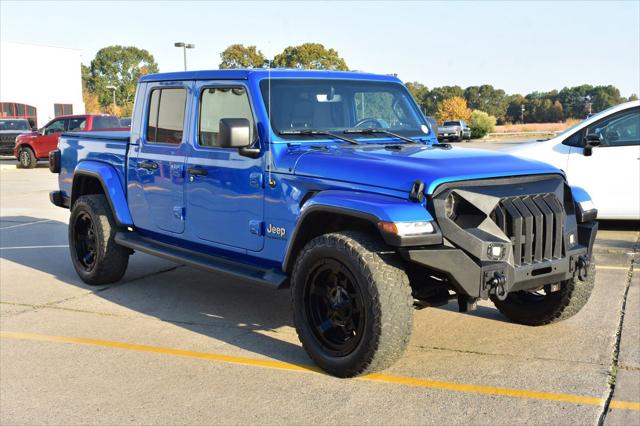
<point>496,286</point>
<point>583,267</point>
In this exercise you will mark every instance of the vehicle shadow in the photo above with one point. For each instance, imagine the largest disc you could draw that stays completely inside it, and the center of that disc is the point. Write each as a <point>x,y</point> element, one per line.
<point>239,314</point>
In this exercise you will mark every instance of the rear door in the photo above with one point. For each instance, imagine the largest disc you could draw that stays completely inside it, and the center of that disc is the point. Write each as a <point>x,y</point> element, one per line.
<point>611,174</point>
<point>159,164</point>
<point>224,191</point>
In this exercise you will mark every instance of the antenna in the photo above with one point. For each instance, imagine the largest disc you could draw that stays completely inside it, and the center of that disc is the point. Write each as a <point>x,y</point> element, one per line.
<point>272,183</point>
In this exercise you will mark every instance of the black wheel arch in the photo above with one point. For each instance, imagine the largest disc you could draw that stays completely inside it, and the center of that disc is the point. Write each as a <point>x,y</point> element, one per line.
<point>88,183</point>
<point>321,219</point>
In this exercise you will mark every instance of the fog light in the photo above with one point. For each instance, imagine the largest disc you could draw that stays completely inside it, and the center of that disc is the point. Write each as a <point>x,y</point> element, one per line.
<point>495,251</point>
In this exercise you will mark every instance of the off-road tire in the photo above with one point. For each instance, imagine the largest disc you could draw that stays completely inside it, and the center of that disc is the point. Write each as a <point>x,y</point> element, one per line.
<point>26,158</point>
<point>385,290</point>
<point>111,259</point>
<point>528,309</point>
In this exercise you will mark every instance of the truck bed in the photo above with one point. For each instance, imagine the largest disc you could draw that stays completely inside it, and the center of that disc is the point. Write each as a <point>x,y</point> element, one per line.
<point>104,147</point>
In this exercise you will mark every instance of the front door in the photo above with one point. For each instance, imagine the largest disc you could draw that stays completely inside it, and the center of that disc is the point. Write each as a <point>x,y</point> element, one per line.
<point>49,139</point>
<point>612,172</point>
<point>224,190</point>
<point>159,165</point>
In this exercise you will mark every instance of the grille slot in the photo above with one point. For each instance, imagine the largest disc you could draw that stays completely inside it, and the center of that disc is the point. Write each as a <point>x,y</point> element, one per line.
<point>534,223</point>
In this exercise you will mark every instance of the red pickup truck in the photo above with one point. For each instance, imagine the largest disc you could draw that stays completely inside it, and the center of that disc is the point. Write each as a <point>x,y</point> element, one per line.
<point>34,146</point>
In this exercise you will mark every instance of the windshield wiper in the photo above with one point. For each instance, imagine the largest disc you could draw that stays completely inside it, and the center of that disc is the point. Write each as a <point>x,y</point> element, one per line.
<point>311,132</point>
<point>380,131</point>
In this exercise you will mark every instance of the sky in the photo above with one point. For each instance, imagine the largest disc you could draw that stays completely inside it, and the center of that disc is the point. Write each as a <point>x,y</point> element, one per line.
<point>514,45</point>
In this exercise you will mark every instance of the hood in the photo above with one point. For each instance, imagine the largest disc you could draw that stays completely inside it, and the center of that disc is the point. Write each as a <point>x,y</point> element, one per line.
<point>399,169</point>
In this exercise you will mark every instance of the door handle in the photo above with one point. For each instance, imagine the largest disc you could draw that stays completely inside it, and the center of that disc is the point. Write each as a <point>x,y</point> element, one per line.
<point>197,171</point>
<point>148,165</point>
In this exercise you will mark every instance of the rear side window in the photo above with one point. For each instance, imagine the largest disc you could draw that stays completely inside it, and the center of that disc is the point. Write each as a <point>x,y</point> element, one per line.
<point>165,123</point>
<point>107,122</point>
<point>218,103</point>
<point>77,124</point>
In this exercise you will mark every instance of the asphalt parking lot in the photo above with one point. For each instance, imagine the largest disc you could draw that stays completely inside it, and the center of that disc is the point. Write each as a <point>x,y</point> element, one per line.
<point>173,345</point>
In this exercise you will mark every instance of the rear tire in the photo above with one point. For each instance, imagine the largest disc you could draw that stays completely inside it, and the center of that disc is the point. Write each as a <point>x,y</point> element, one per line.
<point>26,158</point>
<point>352,305</point>
<point>534,309</point>
<point>95,255</point>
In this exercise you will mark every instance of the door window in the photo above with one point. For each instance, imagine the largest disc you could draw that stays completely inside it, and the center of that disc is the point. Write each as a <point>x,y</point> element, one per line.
<point>76,124</point>
<point>217,103</point>
<point>622,129</point>
<point>165,123</point>
<point>54,127</point>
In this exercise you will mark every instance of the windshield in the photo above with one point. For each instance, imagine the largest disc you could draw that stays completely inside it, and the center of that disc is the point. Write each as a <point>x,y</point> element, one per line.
<point>338,105</point>
<point>451,123</point>
<point>14,125</point>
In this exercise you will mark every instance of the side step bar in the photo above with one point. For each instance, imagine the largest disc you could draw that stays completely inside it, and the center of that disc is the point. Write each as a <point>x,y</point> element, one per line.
<point>268,277</point>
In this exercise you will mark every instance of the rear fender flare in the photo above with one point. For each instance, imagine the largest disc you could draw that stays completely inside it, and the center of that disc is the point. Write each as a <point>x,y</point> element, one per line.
<point>111,186</point>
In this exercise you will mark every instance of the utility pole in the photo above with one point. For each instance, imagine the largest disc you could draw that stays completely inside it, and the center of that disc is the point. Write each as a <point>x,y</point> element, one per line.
<point>522,113</point>
<point>113,89</point>
<point>184,46</point>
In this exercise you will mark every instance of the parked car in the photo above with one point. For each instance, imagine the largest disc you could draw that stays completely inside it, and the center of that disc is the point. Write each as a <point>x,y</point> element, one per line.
<point>125,122</point>
<point>36,145</point>
<point>284,178</point>
<point>601,155</point>
<point>10,128</point>
<point>457,130</point>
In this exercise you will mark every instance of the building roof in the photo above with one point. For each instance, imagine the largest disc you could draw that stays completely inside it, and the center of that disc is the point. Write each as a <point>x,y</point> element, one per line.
<point>260,73</point>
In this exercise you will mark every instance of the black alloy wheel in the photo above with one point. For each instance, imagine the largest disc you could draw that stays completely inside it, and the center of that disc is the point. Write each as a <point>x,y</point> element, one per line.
<point>335,307</point>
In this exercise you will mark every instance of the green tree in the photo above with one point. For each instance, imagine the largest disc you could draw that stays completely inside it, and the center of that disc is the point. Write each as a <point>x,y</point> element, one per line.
<point>486,98</point>
<point>310,56</point>
<point>633,97</point>
<point>481,123</point>
<point>419,92</point>
<point>240,56</point>
<point>433,99</point>
<point>119,66</point>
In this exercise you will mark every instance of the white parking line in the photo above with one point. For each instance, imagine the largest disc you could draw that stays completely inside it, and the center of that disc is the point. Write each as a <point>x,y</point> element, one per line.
<point>25,224</point>
<point>33,247</point>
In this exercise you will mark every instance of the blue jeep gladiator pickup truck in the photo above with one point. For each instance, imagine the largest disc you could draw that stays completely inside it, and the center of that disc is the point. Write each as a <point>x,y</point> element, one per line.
<point>331,184</point>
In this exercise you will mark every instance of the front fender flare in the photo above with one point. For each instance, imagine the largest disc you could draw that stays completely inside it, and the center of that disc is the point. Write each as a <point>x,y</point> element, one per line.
<point>111,185</point>
<point>373,208</point>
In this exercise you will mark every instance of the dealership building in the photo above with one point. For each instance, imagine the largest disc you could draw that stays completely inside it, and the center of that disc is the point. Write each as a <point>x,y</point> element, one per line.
<point>39,82</point>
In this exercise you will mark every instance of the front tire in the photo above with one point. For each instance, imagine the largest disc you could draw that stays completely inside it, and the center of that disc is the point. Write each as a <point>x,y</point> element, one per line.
<point>541,308</point>
<point>95,255</point>
<point>26,158</point>
<point>352,306</point>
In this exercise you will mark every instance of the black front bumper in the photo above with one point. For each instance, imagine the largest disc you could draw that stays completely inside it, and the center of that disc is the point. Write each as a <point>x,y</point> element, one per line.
<point>473,278</point>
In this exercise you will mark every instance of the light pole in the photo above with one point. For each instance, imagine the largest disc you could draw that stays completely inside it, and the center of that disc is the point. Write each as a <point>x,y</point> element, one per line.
<point>522,113</point>
<point>184,46</point>
<point>114,88</point>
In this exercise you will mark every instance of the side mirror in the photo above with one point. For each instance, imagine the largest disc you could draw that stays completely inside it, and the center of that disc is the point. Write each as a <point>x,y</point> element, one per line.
<point>590,141</point>
<point>234,133</point>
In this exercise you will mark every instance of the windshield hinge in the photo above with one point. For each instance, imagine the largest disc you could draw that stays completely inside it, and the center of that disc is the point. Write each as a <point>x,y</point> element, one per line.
<point>417,191</point>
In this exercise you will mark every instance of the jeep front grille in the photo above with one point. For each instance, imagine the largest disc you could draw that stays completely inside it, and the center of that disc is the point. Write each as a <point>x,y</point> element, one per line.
<point>534,223</point>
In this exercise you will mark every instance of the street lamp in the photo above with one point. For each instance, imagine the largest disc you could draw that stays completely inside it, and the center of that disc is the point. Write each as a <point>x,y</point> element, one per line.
<point>114,88</point>
<point>522,113</point>
<point>184,46</point>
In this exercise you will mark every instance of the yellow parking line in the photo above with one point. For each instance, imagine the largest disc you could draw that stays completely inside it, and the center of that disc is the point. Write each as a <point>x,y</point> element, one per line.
<point>399,380</point>
<point>615,268</point>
